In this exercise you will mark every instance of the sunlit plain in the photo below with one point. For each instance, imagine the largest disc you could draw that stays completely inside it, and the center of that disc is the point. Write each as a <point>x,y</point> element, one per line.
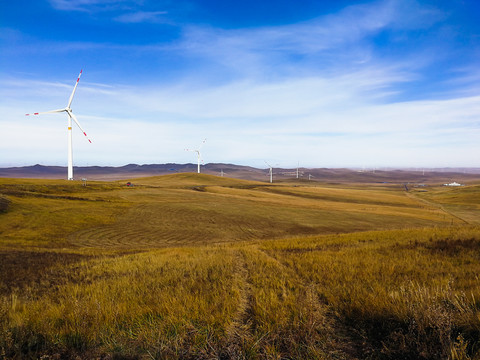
<point>198,266</point>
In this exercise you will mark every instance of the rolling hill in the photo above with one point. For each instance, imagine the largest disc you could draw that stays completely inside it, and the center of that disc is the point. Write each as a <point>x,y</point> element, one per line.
<point>337,175</point>
<point>197,266</point>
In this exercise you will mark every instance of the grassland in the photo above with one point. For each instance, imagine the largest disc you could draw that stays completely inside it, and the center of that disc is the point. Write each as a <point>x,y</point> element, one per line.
<point>191,266</point>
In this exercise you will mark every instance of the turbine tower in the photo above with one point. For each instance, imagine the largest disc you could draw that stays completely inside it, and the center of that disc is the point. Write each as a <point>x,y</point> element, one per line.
<point>71,117</point>
<point>199,155</point>
<point>271,172</point>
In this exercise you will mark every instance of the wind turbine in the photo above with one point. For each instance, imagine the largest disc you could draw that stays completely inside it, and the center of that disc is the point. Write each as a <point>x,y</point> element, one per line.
<point>199,155</point>
<point>271,172</point>
<point>71,116</point>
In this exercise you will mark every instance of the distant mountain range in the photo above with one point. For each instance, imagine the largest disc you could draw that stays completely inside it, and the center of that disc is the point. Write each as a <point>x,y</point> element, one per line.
<point>120,172</point>
<point>132,171</point>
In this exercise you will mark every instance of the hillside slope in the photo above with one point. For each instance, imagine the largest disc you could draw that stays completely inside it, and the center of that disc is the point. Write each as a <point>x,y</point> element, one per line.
<point>194,266</point>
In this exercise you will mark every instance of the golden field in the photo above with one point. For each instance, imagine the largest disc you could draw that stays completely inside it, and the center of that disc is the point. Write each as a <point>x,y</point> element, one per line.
<point>190,266</point>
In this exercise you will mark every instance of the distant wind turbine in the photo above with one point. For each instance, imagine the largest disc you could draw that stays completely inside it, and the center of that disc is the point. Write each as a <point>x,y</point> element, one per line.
<point>271,171</point>
<point>199,155</point>
<point>71,116</point>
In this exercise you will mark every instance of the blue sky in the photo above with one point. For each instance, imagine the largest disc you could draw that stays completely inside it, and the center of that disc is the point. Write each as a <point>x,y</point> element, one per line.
<point>386,83</point>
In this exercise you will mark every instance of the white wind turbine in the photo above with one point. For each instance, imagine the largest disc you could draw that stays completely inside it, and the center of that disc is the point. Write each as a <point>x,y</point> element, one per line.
<point>71,116</point>
<point>271,172</point>
<point>199,155</point>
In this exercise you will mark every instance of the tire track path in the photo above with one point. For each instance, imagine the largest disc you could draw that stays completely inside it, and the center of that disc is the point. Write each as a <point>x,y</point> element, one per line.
<point>239,331</point>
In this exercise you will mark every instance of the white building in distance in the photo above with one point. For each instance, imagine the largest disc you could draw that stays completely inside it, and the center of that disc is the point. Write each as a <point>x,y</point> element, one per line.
<point>453,184</point>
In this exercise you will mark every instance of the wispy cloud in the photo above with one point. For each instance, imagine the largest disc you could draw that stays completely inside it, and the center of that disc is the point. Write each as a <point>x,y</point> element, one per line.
<point>320,91</point>
<point>88,5</point>
<point>326,44</point>
<point>130,10</point>
<point>143,16</point>
<point>322,122</point>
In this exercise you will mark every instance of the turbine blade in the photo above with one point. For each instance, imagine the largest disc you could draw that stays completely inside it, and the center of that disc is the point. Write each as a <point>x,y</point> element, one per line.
<point>74,89</point>
<point>47,112</point>
<point>78,124</point>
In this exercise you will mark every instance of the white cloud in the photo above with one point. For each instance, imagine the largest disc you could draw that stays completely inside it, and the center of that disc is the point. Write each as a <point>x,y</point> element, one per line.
<point>128,8</point>
<point>335,121</point>
<point>86,5</point>
<point>316,92</point>
<point>326,45</point>
<point>343,36</point>
<point>142,16</point>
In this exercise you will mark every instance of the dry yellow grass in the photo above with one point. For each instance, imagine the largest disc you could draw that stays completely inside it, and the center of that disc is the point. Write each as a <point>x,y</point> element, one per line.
<point>189,266</point>
<point>463,202</point>
<point>191,209</point>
